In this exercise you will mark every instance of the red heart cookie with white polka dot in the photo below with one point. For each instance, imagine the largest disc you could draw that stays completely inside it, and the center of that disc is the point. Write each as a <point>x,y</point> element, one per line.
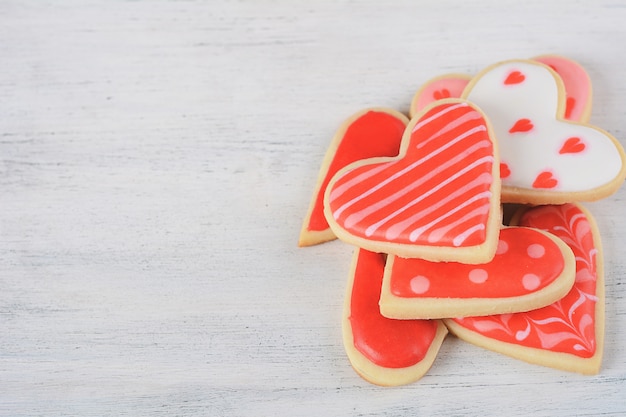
<point>438,200</point>
<point>569,333</point>
<point>531,269</point>
<point>545,159</point>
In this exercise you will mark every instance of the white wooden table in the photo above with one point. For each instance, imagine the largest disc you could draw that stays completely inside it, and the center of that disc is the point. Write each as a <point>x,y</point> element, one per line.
<point>156,160</point>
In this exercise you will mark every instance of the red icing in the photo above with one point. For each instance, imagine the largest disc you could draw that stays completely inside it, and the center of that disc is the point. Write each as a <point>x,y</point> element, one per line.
<point>505,171</point>
<point>567,325</point>
<point>522,125</point>
<point>441,94</point>
<point>375,133</point>
<point>572,145</point>
<point>570,104</point>
<point>437,194</point>
<point>526,261</point>
<point>386,342</point>
<point>546,180</point>
<point>515,77</point>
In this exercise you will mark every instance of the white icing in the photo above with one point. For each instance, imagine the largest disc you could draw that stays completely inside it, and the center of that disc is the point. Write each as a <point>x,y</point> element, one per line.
<point>529,153</point>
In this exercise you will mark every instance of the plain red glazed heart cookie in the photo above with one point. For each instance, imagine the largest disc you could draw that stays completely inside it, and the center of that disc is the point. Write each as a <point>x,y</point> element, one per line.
<point>366,134</point>
<point>438,200</point>
<point>384,351</point>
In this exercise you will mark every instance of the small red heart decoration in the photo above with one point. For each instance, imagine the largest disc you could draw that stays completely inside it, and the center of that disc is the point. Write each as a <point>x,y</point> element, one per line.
<point>505,171</point>
<point>441,94</point>
<point>515,77</point>
<point>572,145</point>
<point>522,125</point>
<point>545,180</point>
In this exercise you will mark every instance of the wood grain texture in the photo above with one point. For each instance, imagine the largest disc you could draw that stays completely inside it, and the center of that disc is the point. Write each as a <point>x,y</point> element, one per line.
<point>156,160</point>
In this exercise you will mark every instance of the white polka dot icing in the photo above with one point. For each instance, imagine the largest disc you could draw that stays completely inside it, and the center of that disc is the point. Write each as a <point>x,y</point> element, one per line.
<point>527,262</point>
<point>531,281</point>
<point>536,251</point>
<point>420,284</point>
<point>478,275</point>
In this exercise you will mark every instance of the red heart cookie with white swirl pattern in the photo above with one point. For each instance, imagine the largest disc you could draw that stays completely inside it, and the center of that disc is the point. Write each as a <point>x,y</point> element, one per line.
<point>569,333</point>
<point>547,159</point>
<point>366,134</point>
<point>437,200</point>
<point>531,269</point>
<point>384,351</point>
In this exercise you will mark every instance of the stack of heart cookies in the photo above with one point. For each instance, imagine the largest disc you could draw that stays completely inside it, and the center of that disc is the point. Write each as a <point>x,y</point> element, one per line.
<point>466,219</point>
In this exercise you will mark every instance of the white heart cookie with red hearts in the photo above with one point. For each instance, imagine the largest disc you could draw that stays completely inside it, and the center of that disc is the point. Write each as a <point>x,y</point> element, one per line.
<point>437,200</point>
<point>544,158</point>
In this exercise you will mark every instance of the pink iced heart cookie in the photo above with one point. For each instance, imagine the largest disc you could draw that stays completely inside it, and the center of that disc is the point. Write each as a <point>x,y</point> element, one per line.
<point>547,159</point>
<point>366,134</point>
<point>531,269</point>
<point>437,200</point>
<point>384,351</point>
<point>445,86</point>
<point>569,333</point>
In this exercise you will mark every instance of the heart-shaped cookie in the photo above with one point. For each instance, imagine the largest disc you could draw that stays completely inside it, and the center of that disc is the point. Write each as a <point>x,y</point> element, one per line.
<point>437,200</point>
<point>569,333</point>
<point>384,351</point>
<point>525,102</point>
<point>366,134</point>
<point>531,269</point>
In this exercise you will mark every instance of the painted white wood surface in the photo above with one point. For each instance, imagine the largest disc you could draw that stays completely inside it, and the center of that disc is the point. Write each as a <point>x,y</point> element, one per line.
<point>156,160</point>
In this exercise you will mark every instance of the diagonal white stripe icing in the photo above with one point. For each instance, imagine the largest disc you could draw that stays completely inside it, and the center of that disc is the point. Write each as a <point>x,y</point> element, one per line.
<point>458,241</point>
<point>372,229</point>
<point>338,192</point>
<point>406,169</point>
<point>437,115</point>
<point>467,117</point>
<point>437,234</point>
<point>356,217</point>
<point>395,230</point>
<point>418,232</point>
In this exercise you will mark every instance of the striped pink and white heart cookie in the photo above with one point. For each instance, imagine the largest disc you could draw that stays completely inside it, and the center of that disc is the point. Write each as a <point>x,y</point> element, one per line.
<point>437,200</point>
<point>544,158</point>
<point>531,269</point>
<point>568,334</point>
